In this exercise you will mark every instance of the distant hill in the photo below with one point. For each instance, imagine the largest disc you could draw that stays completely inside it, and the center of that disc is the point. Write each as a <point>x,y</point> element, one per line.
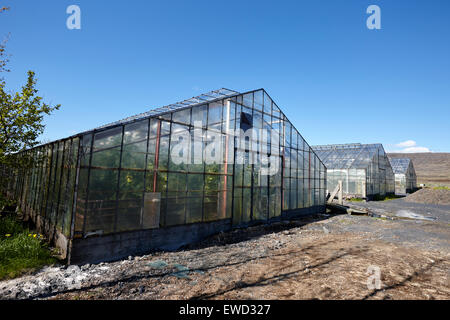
<point>431,168</point>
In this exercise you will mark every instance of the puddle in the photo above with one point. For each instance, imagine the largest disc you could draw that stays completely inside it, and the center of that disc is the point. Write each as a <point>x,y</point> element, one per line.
<point>158,264</point>
<point>413,215</point>
<point>182,272</point>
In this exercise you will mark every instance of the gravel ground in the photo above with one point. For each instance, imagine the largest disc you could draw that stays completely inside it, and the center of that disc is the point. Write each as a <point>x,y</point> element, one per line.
<point>321,257</point>
<point>430,229</point>
<point>430,196</point>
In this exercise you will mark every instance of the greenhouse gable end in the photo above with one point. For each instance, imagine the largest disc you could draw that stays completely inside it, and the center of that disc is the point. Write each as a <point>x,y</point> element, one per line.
<point>405,175</point>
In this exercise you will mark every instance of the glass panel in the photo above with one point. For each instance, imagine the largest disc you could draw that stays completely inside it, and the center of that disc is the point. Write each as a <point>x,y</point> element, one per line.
<point>182,116</point>
<point>179,148</point>
<point>210,201</point>
<point>196,163</point>
<point>133,155</point>
<point>215,116</point>
<point>199,114</point>
<point>248,100</point>
<point>176,199</point>
<point>102,201</point>
<point>71,186</point>
<point>109,158</point>
<point>258,100</point>
<point>267,104</point>
<point>108,138</point>
<point>131,189</point>
<point>194,203</point>
<point>135,132</point>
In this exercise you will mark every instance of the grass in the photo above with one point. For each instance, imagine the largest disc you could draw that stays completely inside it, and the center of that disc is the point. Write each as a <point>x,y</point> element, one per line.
<point>345,222</point>
<point>441,188</point>
<point>376,198</point>
<point>386,197</point>
<point>21,250</point>
<point>356,199</point>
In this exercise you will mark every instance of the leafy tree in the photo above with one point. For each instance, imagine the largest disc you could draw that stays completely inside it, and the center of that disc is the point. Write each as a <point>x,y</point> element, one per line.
<point>21,116</point>
<point>3,58</point>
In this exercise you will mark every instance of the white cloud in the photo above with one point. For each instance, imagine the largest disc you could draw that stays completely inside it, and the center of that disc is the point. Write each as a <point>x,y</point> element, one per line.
<point>415,149</point>
<point>406,144</point>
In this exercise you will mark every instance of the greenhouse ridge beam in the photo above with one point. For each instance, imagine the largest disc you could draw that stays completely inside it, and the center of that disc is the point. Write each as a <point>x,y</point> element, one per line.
<point>343,146</point>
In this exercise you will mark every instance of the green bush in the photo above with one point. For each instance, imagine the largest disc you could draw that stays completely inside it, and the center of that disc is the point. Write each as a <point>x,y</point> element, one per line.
<point>10,225</point>
<point>20,249</point>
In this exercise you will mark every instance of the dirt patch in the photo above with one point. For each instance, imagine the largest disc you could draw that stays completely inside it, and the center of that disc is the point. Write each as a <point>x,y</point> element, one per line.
<point>319,257</point>
<point>294,265</point>
<point>430,196</point>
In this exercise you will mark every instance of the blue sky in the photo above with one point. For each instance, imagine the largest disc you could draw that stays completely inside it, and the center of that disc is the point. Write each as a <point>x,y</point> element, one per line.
<point>336,80</point>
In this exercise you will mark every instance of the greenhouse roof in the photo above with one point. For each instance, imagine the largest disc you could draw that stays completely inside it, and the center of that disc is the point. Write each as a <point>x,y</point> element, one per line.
<point>400,165</point>
<point>347,156</point>
<point>203,98</point>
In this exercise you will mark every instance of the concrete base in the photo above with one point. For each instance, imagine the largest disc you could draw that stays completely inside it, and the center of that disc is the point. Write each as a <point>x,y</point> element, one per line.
<point>298,213</point>
<point>120,245</point>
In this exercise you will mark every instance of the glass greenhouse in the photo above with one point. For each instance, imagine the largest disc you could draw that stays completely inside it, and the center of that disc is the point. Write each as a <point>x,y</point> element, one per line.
<point>364,169</point>
<point>405,175</point>
<point>171,176</point>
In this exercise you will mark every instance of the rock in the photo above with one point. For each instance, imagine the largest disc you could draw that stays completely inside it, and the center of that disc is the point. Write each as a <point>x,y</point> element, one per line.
<point>85,267</point>
<point>73,269</point>
<point>130,258</point>
<point>141,289</point>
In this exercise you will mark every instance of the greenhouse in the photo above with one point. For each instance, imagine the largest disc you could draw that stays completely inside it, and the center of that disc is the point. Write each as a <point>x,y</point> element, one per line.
<point>171,176</point>
<point>364,169</point>
<point>405,175</point>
